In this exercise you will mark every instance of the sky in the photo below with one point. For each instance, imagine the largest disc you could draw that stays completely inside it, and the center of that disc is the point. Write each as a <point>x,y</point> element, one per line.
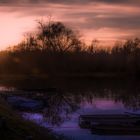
<point>106,20</point>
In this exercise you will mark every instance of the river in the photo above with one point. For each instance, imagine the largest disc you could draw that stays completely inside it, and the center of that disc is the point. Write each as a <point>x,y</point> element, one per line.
<point>63,107</point>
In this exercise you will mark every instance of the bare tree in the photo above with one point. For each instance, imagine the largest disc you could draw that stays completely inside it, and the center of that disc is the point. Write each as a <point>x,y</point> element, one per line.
<point>56,37</point>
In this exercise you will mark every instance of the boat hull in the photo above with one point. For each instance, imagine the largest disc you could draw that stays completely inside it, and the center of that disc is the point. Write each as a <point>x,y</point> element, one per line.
<point>88,121</point>
<point>115,130</point>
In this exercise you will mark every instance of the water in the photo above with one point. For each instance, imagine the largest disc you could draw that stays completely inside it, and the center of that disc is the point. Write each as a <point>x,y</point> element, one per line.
<point>86,103</point>
<point>62,109</point>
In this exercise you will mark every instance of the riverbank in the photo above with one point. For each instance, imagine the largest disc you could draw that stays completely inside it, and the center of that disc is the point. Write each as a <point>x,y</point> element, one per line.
<point>13,127</point>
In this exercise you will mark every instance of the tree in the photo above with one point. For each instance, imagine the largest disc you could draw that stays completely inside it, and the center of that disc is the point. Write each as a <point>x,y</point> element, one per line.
<point>56,37</point>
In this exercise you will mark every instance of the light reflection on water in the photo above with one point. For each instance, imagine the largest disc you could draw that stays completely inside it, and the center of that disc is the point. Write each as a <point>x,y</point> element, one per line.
<point>4,88</point>
<point>70,128</point>
<point>107,97</point>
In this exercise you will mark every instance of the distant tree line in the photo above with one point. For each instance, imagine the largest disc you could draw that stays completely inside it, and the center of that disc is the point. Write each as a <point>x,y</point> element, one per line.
<point>56,49</point>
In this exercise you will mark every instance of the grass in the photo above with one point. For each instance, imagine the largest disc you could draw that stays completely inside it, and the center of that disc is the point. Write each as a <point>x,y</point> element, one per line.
<point>16,128</point>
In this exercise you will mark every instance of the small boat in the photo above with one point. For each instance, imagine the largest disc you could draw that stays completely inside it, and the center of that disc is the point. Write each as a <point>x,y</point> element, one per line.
<point>88,121</point>
<point>116,130</point>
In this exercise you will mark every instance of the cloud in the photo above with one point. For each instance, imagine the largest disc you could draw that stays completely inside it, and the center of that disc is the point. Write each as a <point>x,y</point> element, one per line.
<point>73,2</point>
<point>104,18</point>
<point>85,16</point>
<point>44,1</point>
<point>124,22</point>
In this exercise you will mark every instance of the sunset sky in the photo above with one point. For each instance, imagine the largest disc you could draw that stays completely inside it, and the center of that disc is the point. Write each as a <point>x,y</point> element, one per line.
<point>105,20</point>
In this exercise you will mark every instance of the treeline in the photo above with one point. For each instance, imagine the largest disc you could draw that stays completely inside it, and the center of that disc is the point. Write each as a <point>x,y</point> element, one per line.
<point>56,49</point>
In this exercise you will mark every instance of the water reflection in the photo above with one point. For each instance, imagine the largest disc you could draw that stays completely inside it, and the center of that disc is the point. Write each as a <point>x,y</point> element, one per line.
<point>63,107</point>
<point>60,106</point>
<point>70,127</point>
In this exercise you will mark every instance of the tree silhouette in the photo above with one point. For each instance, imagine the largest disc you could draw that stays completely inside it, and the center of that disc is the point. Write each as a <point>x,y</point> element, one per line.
<point>57,37</point>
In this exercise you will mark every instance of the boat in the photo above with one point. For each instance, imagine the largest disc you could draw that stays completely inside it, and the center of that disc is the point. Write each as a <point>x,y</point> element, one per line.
<point>88,121</point>
<point>116,130</point>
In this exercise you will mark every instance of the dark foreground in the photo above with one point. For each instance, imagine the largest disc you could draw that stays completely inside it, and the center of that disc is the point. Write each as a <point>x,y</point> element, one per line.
<point>12,127</point>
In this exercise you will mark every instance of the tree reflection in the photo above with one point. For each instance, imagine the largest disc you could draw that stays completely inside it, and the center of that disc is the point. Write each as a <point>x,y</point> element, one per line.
<point>60,106</point>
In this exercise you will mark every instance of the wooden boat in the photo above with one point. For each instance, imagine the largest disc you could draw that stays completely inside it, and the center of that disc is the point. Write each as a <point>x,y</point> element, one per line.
<point>115,130</point>
<point>88,121</point>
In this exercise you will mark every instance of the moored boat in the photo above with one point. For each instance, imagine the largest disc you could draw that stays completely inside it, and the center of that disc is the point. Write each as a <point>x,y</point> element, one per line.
<point>116,130</point>
<point>88,121</point>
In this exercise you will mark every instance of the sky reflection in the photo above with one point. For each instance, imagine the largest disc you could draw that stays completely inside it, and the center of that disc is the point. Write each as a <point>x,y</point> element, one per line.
<point>70,128</point>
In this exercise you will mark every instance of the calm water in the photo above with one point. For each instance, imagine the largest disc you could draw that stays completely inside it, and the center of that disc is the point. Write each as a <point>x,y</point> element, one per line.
<point>62,108</point>
<point>67,108</point>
